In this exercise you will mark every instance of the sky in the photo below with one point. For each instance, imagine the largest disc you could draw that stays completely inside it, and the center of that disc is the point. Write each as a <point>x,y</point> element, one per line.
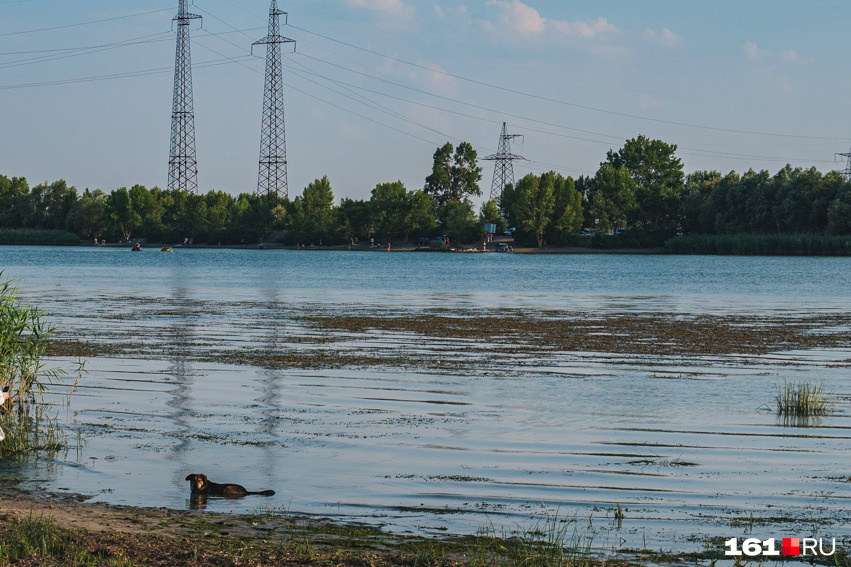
<point>374,87</point>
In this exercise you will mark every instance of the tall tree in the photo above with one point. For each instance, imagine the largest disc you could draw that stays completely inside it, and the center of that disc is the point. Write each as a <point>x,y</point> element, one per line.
<point>568,214</point>
<point>658,176</point>
<point>454,176</point>
<point>534,205</point>
<point>490,214</point>
<point>388,207</point>
<point>612,197</point>
<point>312,214</point>
<point>119,209</point>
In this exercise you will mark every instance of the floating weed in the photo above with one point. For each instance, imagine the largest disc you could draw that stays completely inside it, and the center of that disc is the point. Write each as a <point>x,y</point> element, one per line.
<point>660,461</point>
<point>803,399</point>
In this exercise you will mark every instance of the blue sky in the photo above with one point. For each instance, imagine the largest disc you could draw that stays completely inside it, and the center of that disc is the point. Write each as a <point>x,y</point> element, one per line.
<point>375,86</point>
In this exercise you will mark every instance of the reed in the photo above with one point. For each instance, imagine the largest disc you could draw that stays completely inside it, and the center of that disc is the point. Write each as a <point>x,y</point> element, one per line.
<point>29,236</point>
<point>24,339</point>
<point>761,244</point>
<point>803,399</point>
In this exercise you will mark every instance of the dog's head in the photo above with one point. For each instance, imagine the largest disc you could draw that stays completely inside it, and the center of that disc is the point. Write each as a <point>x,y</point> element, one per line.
<point>198,482</point>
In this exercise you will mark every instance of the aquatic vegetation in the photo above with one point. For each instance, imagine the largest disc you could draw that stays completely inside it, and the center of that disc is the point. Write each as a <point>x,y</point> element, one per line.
<point>37,236</point>
<point>24,340</point>
<point>803,399</point>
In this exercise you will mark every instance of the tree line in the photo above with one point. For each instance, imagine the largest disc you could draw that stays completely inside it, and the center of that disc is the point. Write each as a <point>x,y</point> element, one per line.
<point>640,188</point>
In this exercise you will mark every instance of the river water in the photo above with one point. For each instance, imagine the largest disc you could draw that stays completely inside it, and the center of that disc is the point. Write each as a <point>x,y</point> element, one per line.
<point>683,445</point>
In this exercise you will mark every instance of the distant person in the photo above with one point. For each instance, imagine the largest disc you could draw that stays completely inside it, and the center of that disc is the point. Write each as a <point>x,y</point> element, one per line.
<point>96,241</point>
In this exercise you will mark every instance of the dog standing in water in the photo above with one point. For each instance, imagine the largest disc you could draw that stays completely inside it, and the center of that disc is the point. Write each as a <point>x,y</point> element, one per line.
<point>200,485</point>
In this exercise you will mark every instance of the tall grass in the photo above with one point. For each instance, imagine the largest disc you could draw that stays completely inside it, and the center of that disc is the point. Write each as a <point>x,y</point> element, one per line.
<point>35,535</point>
<point>554,541</point>
<point>761,244</point>
<point>803,399</point>
<point>24,338</point>
<point>37,236</point>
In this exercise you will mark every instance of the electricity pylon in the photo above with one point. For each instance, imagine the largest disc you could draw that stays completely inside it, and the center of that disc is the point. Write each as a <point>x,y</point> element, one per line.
<point>847,171</point>
<point>272,177</point>
<point>182,165</point>
<point>503,171</point>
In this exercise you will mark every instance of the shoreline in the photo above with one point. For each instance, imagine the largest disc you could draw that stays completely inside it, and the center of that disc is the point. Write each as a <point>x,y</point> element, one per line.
<point>366,248</point>
<point>130,535</point>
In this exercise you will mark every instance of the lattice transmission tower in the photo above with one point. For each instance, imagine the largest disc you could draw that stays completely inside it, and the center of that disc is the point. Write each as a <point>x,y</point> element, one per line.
<point>503,171</point>
<point>182,165</point>
<point>272,177</point>
<point>847,171</point>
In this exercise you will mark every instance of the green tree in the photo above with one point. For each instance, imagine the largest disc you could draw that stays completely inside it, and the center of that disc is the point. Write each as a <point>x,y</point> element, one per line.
<point>699,187</point>
<point>658,177</point>
<point>388,207</point>
<point>355,220</point>
<point>490,214</point>
<point>57,201</point>
<point>507,200</point>
<point>839,212</point>
<point>119,210</point>
<point>312,215</point>
<point>251,218</point>
<point>568,214</point>
<point>13,192</point>
<point>459,221</point>
<point>454,176</point>
<point>87,217</point>
<point>534,205</point>
<point>420,217</point>
<point>612,197</point>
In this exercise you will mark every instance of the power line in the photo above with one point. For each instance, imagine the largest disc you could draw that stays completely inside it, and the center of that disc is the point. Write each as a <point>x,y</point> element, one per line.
<point>698,152</point>
<point>572,104</point>
<point>129,74</point>
<point>85,23</point>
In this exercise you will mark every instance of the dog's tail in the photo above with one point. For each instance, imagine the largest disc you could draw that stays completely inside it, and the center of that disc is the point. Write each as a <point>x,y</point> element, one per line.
<point>264,493</point>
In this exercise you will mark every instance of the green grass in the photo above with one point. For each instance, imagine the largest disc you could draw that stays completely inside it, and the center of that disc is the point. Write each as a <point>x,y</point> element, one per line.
<point>803,399</point>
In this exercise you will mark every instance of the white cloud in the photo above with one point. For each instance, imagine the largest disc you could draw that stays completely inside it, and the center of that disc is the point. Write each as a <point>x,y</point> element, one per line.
<point>435,77</point>
<point>395,8</point>
<point>666,37</point>
<point>756,54</point>
<point>443,12</point>
<point>647,102</point>
<point>790,57</point>
<point>587,28</point>
<point>517,17</point>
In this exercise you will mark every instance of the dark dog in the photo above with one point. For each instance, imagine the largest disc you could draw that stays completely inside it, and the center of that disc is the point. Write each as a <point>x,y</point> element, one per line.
<point>200,485</point>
